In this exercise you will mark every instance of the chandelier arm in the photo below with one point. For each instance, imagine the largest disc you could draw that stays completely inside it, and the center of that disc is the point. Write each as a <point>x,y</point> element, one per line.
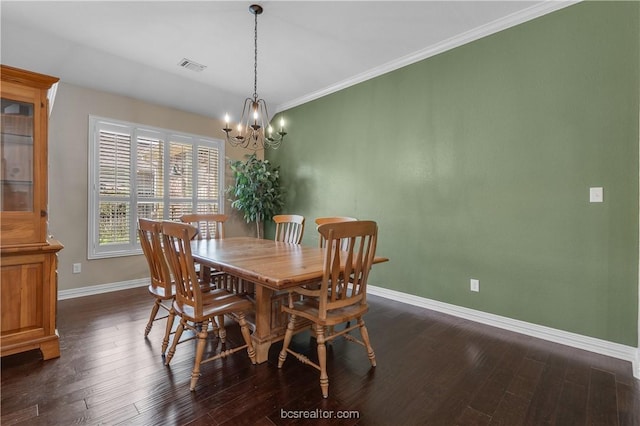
<point>244,126</point>
<point>264,105</point>
<point>246,108</point>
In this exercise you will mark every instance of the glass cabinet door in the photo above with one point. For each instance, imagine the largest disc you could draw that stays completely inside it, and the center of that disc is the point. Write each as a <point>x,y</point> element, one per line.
<point>16,151</point>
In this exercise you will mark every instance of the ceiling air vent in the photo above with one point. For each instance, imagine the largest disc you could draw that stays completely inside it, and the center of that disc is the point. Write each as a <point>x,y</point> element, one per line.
<point>190,65</point>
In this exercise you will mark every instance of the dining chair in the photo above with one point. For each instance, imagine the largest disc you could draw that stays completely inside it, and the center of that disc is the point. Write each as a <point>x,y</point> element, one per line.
<point>210,226</point>
<point>334,219</point>
<point>289,228</point>
<point>161,286</point>
<point>331,219</point>
<point>197,308</point>
<point>341,298</point>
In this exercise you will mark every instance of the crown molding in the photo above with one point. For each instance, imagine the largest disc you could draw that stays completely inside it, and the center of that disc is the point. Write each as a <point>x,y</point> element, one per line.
<point>496,26</point>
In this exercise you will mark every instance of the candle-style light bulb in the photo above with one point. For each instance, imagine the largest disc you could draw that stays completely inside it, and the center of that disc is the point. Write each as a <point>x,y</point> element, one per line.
<point>270,130</point>
<point>281,123</point>
<point>226,120</point>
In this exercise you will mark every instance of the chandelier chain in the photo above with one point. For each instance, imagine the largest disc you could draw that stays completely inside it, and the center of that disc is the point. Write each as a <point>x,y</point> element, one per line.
<point>255,58</point>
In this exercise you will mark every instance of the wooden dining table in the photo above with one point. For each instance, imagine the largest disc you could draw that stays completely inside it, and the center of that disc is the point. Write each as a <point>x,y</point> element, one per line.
<point>273,267</point>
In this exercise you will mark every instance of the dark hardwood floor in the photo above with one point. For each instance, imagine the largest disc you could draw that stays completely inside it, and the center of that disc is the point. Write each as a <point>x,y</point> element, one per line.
<point>433,369</point>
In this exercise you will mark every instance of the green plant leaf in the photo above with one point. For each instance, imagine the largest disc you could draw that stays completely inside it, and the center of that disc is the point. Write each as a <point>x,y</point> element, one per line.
<point>257,193</point>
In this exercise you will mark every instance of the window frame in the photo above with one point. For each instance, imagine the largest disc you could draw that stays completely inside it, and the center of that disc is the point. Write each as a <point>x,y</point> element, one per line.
<point>134,130</point>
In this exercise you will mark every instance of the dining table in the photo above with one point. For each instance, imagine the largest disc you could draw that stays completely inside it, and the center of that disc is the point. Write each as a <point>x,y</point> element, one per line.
<point>272,267</point>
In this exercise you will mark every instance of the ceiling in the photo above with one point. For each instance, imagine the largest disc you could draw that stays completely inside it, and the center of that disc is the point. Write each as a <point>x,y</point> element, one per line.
<point>306,49</point>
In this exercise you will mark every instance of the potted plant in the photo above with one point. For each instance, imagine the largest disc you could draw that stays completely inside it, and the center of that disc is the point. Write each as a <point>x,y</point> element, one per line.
<point>257,192</point>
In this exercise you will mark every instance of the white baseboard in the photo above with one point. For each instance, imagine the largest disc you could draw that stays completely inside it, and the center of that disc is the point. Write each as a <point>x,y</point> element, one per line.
<point>101,288</point>
<point>604,347</point>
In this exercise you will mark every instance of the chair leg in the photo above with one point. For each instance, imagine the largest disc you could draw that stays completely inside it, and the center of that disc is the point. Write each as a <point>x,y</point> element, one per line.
<point>214,327</point>
<point>322,362</point>
<point>244,328</point>
<point>365,338</point>
<point>167,332</point>
<point>287,339</point>
<point>222,332</point>
<point>154,312</point>
<point>176,339</point>
<point>330,330</point>
<point>195,374</point>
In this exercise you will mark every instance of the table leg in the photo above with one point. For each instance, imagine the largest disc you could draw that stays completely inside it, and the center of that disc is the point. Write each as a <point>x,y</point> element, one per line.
<point>262,334</point>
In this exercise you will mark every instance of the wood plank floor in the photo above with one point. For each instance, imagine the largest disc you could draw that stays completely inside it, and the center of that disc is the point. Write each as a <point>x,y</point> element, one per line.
<point>433,369</point>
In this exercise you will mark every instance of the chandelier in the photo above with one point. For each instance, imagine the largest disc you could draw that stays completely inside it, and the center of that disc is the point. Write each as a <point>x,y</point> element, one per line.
<point>255,118</point>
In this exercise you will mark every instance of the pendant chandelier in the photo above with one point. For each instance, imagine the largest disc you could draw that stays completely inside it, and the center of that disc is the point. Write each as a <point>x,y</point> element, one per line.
<point>255,118</point>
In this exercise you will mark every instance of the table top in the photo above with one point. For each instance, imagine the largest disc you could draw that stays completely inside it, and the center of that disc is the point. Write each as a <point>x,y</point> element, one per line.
<point>270,263</point>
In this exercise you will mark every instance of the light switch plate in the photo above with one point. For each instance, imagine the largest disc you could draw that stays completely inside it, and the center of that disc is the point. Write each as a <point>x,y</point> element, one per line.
<point>474,284</point>
<point>596,195</point>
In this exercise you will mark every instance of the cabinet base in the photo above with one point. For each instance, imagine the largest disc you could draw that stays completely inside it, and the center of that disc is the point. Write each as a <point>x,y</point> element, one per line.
<point>49,346</point>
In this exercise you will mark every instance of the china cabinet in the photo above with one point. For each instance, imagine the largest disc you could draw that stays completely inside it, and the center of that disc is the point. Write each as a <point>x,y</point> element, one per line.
<point>28,259</point>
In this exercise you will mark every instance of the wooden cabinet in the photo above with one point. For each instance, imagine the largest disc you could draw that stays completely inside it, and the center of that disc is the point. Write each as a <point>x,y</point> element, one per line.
<point>28,299</point>
<point>28,260</point>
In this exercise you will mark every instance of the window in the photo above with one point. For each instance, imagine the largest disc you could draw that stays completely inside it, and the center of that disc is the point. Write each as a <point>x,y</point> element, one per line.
<point>138,171</point>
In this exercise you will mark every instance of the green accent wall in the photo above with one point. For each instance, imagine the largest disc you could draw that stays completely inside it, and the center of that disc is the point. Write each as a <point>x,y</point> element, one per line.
<point>477,163</point>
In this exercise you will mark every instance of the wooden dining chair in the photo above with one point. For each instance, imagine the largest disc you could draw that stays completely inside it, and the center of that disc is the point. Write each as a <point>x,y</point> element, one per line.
<point>334,219</point>
<point>331,219</point>
<point>210,226</point>
<point>161,286</point>
<point>341,298</point>
<point>197,308</point>
<point>322,241</point>
<point>289,228</point>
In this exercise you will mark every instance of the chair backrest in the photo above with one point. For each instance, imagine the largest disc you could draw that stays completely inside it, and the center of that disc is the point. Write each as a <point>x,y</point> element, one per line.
<point>289,228</point>
<point>334,219</point>
<point>331,219</point>
<point>149,232</point>
<point>210,225</point>
<point>177,248</point>
<point>344,281</point>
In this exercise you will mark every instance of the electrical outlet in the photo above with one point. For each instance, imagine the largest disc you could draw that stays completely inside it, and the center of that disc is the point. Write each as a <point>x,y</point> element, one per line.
<point>77,268</point>
<point>474,284</point>
<point>596,195</point>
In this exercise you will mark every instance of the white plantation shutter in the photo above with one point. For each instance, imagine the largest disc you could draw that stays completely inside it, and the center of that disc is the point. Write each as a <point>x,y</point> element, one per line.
<point>115,163</point>
<point>114,186</point>
<point>150,176</point>
<point>180,179</point>
<point>136,171</point>
<point>208,179</point>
